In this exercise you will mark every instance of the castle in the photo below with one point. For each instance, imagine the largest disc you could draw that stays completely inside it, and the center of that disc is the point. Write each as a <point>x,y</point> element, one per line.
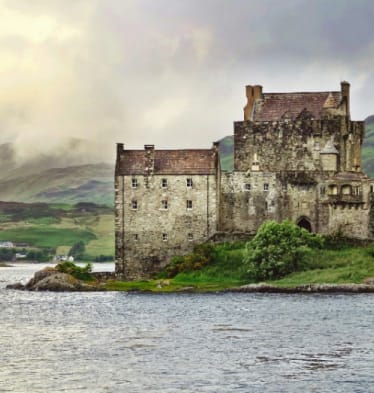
<point>297,156</point>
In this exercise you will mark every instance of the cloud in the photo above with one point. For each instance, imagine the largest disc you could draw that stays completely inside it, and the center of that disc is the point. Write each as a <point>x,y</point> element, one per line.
<point>167,72</point>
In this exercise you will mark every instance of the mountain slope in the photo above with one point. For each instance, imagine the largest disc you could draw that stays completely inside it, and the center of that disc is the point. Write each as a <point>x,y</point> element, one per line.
<point>368,147</point>
<point>92,183</point>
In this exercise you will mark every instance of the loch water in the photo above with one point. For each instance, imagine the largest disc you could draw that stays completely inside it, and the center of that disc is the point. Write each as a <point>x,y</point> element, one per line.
<point>119,342</point>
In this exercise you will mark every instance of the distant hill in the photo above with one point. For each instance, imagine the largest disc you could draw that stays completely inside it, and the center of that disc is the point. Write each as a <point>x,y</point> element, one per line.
<point>368,147</point>
<point>90,183</point>
<point>71,173</point>
<point>227,149</point>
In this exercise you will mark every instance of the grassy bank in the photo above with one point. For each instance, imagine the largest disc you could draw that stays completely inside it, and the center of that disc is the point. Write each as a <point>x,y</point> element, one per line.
<point>340,265</point>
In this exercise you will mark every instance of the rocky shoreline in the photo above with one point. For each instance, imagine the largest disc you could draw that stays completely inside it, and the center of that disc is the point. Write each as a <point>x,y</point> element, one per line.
<point>306,288</point>
<point>50,279</point>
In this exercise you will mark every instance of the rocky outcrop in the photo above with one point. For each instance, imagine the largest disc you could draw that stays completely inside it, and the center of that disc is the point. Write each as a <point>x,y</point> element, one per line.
<point>53,280</point>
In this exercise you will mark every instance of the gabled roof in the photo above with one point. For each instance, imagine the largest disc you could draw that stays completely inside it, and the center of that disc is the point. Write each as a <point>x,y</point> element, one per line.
<point>167,162</point>
<point>275,106</point>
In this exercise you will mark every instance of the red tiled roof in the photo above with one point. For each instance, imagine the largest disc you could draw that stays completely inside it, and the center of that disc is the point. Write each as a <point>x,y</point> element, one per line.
<point>168,162</point>
<point>273,106</point>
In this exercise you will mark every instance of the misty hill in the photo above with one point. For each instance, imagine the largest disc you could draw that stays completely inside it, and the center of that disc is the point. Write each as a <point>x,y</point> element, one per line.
<point>76,171</point>
<point>17,160</point>
<point>90,183</point>
<point>227,149</point>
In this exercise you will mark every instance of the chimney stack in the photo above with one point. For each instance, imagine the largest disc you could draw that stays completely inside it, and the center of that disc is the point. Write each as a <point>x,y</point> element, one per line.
<point>345,94</point>
<point>253,93</point>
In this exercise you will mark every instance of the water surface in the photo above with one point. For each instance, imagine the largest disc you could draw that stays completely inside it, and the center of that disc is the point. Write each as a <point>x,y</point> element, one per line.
<point>118,342</point>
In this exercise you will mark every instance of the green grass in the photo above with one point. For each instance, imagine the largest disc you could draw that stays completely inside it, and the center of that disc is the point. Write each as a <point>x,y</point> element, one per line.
<point>345,265</point>
<point>104,242</point>
<point>46,236</point>
<point>43,221</point>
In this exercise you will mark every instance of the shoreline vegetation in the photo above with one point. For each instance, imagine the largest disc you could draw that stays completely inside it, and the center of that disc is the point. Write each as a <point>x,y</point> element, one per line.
<point>281,258</point>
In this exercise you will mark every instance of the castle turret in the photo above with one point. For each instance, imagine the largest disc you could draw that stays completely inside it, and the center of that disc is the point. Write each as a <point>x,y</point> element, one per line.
<point>329,157</point>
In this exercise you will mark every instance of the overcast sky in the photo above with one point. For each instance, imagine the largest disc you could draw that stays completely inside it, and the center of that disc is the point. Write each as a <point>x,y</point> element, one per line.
<point>169,72</point>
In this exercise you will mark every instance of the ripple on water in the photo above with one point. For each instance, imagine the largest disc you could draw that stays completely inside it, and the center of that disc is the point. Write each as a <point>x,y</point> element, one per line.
<point>114,342</point>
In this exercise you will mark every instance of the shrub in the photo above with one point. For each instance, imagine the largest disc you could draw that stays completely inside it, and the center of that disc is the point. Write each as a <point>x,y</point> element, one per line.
<point>81,273</point>
<point>370,250</point>
<point>200,257</point>
<point>278,249</point>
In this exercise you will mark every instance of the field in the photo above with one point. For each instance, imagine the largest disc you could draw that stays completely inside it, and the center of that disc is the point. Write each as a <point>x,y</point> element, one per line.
<point>59,227</point>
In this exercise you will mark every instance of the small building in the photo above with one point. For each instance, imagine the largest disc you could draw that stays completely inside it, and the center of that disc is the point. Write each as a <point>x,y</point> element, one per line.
<point>6,244</point>
<point>297,156</point>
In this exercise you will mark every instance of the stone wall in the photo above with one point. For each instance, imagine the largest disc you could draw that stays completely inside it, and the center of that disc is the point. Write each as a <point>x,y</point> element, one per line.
<point>153,233</point>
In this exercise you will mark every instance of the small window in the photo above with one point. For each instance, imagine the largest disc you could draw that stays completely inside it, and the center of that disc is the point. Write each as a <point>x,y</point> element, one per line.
<point>266,205</point>
<point>165,237</point>
<point>322,190</point>
<point>135,237</point>
<point>189,237</point>
<point>164,204</point>
<point>346,189</point>
<point>189,204</point>
<point>134,182</point>
<point>266,187</point>
<point>247,187</point>
<point>333,189</point>
<point>189,182</point>
<point>164,183</point>
<point>134,204</point>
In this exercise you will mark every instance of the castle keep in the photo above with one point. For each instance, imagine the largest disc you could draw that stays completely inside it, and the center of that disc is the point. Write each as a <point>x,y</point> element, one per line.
<point>297,156</point>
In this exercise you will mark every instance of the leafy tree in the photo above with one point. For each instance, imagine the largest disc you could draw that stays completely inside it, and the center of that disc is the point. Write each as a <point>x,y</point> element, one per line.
<point>77,250</point>
<point>278,249</point>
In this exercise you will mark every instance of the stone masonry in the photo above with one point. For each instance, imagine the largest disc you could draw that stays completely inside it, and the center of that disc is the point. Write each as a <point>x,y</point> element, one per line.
<point>297,156</point>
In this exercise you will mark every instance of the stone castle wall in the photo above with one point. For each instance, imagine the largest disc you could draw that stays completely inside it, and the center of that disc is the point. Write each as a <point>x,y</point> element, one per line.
<point>152,233</point>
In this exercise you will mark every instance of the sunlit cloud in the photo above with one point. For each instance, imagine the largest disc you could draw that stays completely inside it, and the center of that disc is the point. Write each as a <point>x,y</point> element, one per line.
<point>166,72</point>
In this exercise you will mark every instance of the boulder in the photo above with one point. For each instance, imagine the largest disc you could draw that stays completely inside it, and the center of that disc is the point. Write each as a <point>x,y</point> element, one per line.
<point>53,280</point>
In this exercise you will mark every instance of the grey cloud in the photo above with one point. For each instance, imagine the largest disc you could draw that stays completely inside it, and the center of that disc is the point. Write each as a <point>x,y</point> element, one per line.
<point>173,72</point>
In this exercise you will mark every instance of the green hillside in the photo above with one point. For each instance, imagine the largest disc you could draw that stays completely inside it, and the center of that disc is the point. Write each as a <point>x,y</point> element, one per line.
<point>227,149</point>
<point>368,147</point>
<point>58,227</point>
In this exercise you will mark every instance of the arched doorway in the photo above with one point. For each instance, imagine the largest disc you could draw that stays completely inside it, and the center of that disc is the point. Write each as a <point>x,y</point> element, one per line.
<point>303,222</point>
